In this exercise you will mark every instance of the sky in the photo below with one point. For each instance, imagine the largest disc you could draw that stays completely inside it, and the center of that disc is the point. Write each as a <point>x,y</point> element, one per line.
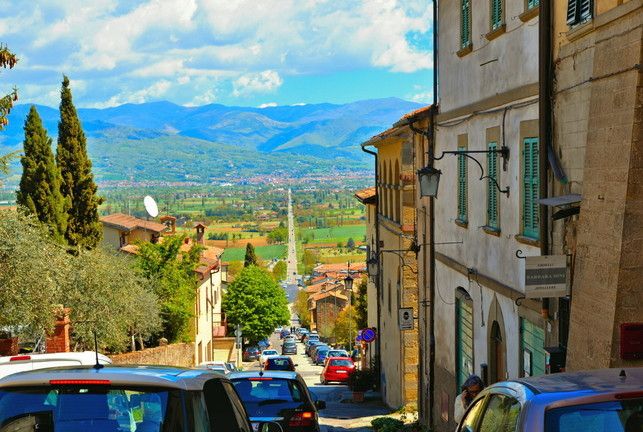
<point>232,52</point>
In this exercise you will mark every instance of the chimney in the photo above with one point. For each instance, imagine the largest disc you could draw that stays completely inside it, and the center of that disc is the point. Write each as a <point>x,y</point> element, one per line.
<point>200,232</point>
<point>170,223</point>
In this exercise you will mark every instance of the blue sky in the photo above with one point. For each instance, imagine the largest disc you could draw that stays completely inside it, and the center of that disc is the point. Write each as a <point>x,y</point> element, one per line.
<point>196,52</point>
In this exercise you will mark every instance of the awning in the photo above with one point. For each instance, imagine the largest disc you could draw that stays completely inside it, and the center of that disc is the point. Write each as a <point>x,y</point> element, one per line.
<point>561,200</point>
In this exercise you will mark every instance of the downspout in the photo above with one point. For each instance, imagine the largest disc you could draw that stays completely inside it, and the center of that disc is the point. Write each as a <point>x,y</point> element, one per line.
<point>544,123</point>
<point>431,148</point>
<point>379,265</point>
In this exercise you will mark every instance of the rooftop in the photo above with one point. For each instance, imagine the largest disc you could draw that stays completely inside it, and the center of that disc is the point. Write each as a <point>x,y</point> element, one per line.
<point>367,196</point>
<point>125,222</point>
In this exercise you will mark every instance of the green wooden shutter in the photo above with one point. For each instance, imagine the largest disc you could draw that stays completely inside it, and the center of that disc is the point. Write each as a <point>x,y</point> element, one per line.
<point>465,23</point>
<point>496,14</point>
<point>585,11</point>
<point>532,3</point>
<point>531,188</point>
<point>532,345</point>
<point>492,191</point>
<point>464,341</point>
<point>462,187</point>
<point>572,12</point>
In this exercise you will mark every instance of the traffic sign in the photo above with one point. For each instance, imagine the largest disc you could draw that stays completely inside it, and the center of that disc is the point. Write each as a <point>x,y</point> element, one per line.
<point>368,335</point>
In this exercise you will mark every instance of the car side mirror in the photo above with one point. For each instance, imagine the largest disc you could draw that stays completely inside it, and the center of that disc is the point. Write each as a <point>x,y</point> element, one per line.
<point>295,365</point>
<point>320,404</point>
<point>270,427</point>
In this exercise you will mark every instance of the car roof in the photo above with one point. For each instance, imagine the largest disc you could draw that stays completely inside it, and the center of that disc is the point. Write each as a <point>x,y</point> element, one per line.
<point>87,357</point>
<point>162,376</point>
<point>600,381</point>
<point>265,374</point>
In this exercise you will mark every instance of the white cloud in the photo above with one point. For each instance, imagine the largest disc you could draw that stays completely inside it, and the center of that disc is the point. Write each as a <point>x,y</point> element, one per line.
<point>423,97</point>
<point>154,91</point>
<point>265,81</point>
<point>268,105</point>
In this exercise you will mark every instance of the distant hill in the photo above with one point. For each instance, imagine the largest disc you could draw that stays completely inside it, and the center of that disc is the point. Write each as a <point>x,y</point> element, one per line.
<point>165,141</point>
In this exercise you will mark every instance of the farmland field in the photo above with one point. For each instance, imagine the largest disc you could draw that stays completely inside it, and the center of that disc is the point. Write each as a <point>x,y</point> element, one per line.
<point>263,252</point>
<point>334,234</point>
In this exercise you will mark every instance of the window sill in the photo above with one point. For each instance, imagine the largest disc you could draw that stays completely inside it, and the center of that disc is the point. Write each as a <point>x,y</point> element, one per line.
<point>529,14</point>
<point>464,51</point>
<point>527,240</point>
<point>491,230</point>
<point>462,223</point>
<point>495,33</point>
<point>579,30</point>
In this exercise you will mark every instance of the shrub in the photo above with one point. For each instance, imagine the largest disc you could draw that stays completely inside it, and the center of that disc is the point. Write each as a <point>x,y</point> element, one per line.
<point>387,424</point>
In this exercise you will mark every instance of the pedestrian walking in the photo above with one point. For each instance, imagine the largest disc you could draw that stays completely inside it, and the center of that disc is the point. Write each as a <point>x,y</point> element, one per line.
<point>470,389</point>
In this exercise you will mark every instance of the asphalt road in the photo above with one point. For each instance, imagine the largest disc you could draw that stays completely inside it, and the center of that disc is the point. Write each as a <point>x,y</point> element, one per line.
<point>292,276</point>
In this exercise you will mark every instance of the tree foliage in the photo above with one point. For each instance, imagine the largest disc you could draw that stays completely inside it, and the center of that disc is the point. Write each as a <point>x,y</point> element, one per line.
<point>171,271</point>
<point>279,270</point>
<point>104,292</point>
<point>251,257</point>
<point>7,60</point>
<point>84,230</point>
<point>257,302</point>
<point>310,259</point>
<point>345,328</point>
<point>300,307</point>
<point>361,304</point>
<point>40,182</point>
<point>278,235</point>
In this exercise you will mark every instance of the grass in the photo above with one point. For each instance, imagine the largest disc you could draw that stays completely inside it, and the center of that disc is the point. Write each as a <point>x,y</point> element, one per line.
<point>263,252</point>
<point>334,234</point>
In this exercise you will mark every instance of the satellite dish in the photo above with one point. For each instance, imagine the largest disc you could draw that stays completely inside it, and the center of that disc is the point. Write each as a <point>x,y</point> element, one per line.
<point>150,206</point>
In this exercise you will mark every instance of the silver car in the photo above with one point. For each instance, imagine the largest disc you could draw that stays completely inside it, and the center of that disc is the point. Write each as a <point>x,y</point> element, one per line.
<point>606,400</point>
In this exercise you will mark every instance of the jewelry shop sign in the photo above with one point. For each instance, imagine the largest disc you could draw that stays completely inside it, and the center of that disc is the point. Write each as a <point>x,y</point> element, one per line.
<point>546,276</point>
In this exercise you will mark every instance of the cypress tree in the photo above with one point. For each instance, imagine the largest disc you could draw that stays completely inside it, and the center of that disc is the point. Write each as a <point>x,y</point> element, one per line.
<point>83,227</point>
<point>40,183</point>
<point>251,257</point>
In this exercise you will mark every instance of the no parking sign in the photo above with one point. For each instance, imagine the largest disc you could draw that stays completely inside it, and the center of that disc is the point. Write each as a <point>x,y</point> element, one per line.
<point>368,335</point>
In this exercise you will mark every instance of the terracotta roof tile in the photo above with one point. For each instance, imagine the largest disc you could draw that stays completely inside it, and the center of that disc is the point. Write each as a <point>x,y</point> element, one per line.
<point>128,223</point>
<point>367,196</point>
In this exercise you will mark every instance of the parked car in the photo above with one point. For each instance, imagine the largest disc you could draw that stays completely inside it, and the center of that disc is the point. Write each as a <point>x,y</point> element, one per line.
<point>281,363</point>
<point>231,367</point>
<point>251,353</point>
<point>320,355</point>
<point>284,333</point>
<point>216,366</point>
<point>263,344</point>
<point>311,347</point>
<point>289,348</point>
<point>123,398</point>
<point>27,362</point>
<point>277,396</point>
<point>310,337</point>
<point>337,353</point>
<point>603,400</point>
<point>266,353</point>
<point>337,369</point>
<point>290,338</point>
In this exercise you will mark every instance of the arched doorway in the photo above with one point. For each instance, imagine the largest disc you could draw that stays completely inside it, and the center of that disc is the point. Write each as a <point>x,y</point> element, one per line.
<point>496,344</point>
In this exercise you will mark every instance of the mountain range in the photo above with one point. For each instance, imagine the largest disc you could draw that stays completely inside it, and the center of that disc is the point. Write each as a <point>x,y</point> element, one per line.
<point>169,142</point>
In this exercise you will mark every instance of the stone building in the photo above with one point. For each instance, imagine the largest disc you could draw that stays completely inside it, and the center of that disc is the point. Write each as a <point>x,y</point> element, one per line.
<point>396,277</point>
<point>596,51</point>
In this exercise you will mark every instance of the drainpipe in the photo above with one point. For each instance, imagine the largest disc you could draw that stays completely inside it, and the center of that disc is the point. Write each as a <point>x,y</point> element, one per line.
<point>544,123</point>
<point>379,264</point>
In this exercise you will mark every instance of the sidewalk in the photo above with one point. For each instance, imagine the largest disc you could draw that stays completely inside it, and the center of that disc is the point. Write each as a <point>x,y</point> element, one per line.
<point>341,414</point>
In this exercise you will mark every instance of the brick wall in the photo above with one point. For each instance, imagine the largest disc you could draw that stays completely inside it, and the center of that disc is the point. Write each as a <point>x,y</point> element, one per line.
<point>181,354</point>
<point>58,339</point>
<point>9,346</point>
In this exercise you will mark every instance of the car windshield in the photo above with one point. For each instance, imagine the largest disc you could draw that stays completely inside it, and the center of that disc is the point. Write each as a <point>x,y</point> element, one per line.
<point>270,352</point>
<point>279,364</point>
<point>96,408</point>
<point>612,416</point>
<point>341,363</point>
<point>337,353</point>
<point>266,396</point>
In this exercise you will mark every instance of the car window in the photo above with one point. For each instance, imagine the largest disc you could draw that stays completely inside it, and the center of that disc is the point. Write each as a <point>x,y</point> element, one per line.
<point>500,414</point>
<point>341,362</point>
<point>469,419</point>
<point>219,408</point>
<point>267,396</point>
<point>237,408</point>
<point>612,416</point>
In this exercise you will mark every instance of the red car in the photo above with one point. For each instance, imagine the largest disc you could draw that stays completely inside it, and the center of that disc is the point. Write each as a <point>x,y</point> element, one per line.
<point>337,369</point>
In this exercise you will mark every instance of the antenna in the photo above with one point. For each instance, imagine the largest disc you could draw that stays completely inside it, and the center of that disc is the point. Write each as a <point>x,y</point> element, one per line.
<point>150,206</point>
<point>97,366</point>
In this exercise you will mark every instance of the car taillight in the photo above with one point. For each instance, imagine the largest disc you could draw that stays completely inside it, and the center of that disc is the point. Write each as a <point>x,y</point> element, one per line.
<point>629,395</point>
<point>20,358</point>
<point>79,382</point>
<point>260,379</point>
<point>304,418</point>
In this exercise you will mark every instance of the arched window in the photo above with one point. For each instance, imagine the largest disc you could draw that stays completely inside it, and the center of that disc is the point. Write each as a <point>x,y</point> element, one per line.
<point>389,195</point>
<point>398,193</point>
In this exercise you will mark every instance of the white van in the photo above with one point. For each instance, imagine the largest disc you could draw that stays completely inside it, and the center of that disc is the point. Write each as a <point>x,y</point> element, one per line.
<point>26,362</point>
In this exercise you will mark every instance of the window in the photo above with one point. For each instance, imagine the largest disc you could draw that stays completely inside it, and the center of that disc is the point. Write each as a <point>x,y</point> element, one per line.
<point>620,415</point>
<point>462,187</point>
<point>500,414</point>
<point>464,337</point>
<point>579,11</point>
<point>532,348</point>
<point>496,14</point>
<point>530,188</point>
<point>492,191</point>
<point>532,4</point>
<point>465,23</point>
<point>469,420</point>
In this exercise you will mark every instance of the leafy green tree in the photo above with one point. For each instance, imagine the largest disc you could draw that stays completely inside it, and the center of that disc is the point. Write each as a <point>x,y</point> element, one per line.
<point>350,243</point>
<point>300,307</point>
<point>40,183</point>
<point>361,304</point>
<point>257,302</point>
<point>310,259</point>
<point>84,230</point>
<point>278,235</point>
<point>345,328</point>
<point>279,270</point>
<point>251,257</point>
<point>171,271</point>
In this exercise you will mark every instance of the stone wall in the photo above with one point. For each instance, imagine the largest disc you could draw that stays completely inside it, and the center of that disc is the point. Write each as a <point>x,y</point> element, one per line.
<point>180,354</point>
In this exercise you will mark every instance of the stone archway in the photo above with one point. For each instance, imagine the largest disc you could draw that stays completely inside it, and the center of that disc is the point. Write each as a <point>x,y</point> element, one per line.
<point>496,344</point>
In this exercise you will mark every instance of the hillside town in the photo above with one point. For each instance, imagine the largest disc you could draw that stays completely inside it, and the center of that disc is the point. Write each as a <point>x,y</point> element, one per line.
<point>482,273</point>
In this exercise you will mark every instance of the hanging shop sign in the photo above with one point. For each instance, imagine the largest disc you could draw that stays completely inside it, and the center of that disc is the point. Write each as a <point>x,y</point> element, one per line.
<point>546,276</point>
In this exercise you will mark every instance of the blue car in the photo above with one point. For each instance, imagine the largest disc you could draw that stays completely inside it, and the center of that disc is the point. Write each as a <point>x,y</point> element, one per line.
<point>320,355</point>
<point>602,400</point>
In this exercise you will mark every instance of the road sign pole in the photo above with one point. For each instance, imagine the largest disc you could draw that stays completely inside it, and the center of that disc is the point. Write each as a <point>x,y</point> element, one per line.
<point>239,344</point>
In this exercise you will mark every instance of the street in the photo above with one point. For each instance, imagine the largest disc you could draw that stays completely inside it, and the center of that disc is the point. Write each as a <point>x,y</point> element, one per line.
<point>340,413</point>
<point>291,274</point>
